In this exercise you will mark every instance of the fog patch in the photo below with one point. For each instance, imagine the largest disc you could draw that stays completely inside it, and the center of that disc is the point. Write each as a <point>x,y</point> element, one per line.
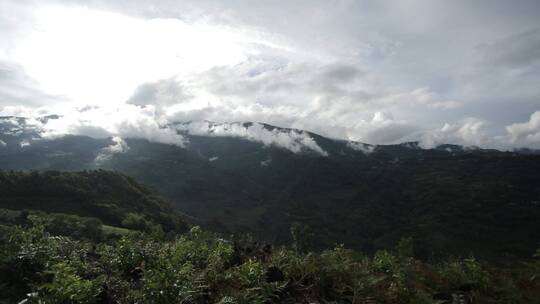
<point>119,146</point>
<point>364,148</point>
<point>127,121</point>
<point>293,140</point>
<point>266,163</point>
<point>24,143</point>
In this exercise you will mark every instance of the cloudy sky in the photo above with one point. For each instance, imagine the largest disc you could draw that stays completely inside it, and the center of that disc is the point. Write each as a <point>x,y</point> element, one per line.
<point>460,71</point>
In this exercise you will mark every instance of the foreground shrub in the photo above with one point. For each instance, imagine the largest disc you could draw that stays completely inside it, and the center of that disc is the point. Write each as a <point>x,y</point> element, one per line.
<point>200,267</point>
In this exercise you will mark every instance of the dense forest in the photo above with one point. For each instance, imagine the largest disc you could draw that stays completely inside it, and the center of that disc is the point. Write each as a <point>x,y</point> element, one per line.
<point>85,255</point>
<point>452,200</point>
<point>113,198</point>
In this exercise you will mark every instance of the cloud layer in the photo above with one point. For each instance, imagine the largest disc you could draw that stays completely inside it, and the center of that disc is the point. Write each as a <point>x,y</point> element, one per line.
<point>368,71</point>
<point>120,122</point>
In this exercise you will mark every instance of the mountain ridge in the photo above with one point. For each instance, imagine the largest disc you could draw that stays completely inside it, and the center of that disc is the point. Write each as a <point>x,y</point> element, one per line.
<point>271,127</point>
<point>365,200</point>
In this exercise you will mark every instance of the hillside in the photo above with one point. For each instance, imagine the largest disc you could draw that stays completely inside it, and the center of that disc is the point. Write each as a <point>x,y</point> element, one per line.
<point>113,198</point>
<point>258,178</point>
<point>41,266</point>
<point>49,257</point>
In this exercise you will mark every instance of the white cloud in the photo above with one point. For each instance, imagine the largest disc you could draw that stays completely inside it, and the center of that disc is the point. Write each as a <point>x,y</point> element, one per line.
<point>474,132</point>
<point>18,89</point>
<point>365,148</point>
<point>127,121</point>
<point>382,128</point>
<point>373,73</point>
<point>526,133</point>
<point>2,143</point>
<point>469,132</point>
<point>162,93</point>
<point>119,146</point>
<point>335,100</point>
<point>83,53</point>
<point>292,140</point>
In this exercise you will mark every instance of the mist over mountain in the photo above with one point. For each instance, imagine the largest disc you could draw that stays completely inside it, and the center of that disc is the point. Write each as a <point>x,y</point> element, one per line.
<point>240,152</point>
<point>262,179</point>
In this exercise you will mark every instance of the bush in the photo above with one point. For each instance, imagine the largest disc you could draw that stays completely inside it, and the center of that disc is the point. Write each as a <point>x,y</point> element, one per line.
<point>134,221</point>
<point>68,287</point>
<point>200,267</point>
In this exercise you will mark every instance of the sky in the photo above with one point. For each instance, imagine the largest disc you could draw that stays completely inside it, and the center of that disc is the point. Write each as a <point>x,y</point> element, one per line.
<point>379,72</point>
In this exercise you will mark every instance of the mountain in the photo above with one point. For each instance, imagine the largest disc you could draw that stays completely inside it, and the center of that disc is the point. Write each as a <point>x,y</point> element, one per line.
<point>113,198</point>
<point>50,257</point>
<point>262,179</point>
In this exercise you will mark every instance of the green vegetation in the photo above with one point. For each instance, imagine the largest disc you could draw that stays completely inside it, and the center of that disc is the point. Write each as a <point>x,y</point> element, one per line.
<point>452,200</point>
<point>99,237</point>
<point>95,196</point>
<point>201,267</point>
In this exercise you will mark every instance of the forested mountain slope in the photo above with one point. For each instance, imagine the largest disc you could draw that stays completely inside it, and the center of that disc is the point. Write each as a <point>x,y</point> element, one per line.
<point>113,198</point>
<point>248,177</point>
